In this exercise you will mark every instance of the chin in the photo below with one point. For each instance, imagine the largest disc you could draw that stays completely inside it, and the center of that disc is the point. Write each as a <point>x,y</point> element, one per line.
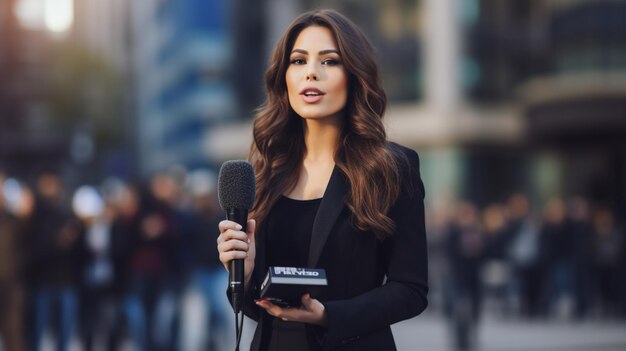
<point>316,117</point>
<point>308,114</point>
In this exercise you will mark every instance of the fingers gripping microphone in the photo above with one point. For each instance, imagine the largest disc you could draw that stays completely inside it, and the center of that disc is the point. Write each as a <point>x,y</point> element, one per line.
<point>236,190</point>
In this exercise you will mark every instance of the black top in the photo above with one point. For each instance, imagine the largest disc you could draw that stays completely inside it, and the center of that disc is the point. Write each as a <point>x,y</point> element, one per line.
<point>290,223</point>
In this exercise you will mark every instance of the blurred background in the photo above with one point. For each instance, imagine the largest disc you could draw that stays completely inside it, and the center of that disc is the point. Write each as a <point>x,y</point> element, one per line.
<point>116,115</point>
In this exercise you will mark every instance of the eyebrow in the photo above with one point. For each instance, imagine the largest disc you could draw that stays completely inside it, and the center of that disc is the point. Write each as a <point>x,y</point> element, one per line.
<point>323,52</point>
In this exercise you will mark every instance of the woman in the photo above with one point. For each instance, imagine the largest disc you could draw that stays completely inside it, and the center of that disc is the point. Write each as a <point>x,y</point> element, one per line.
<point>332,193</point>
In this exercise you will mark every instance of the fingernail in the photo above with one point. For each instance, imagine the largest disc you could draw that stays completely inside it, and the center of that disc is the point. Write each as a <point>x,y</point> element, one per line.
<point>239,227</point>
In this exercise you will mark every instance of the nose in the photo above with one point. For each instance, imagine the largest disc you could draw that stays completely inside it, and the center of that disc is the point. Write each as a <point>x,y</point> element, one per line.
<point>311,72</point>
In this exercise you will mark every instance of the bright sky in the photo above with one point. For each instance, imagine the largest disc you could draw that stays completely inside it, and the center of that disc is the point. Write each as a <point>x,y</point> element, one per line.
<point>53,15</point>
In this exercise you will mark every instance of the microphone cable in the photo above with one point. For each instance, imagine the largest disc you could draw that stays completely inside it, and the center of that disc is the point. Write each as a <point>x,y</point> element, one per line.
<point>238,328</point>
<point>239,315</point>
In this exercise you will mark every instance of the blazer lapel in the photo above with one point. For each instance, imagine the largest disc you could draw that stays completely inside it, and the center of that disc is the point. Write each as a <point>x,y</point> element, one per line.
<point>330,208</point>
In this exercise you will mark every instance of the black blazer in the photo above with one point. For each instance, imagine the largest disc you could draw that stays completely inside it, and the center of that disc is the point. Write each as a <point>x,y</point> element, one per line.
<point>360,303</point>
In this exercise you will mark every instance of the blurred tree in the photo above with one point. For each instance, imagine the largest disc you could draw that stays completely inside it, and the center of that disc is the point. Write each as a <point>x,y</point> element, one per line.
<point>85,95</point>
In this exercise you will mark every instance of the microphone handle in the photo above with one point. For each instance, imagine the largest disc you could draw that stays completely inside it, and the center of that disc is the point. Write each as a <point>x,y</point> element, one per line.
<point>236,274</point>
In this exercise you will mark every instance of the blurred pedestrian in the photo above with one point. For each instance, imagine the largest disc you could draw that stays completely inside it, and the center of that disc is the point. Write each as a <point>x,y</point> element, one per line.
<point>466,245</point>
<point>151,304</point>
<point>98,309</point>
<point>526,255</point>
<point>12,260</point>
<point>561,290</point>
<point>580,232</point>
<point>496,273</point>
<point>607,255</point>
<point>124,231</point>
<point>56,263</point>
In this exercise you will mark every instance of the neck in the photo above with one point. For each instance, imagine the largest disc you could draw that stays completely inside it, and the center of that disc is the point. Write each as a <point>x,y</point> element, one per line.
<point>321,137</point>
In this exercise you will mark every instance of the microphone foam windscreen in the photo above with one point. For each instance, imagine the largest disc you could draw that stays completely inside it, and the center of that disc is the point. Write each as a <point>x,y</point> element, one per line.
<point>236,185</point>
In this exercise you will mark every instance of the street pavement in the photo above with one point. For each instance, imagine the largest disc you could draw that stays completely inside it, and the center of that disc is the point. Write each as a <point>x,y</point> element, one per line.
<point>432,333</point>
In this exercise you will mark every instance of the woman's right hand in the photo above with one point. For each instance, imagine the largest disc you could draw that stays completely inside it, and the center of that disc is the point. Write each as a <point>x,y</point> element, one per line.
<point>232,244</point>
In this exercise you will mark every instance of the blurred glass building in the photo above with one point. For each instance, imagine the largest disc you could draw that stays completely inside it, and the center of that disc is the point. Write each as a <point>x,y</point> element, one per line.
<point>561,63</point>
<point>183,80</point>
<point>25,136</point>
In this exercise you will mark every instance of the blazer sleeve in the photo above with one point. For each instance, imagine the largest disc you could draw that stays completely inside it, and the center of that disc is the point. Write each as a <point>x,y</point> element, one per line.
<point>403,296</point>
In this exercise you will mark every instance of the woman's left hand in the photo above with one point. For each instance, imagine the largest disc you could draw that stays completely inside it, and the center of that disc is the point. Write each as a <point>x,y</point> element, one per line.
<point>312,311</point>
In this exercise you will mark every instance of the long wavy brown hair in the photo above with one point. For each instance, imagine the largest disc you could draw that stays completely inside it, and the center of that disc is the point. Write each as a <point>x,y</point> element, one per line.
<point>363,154</point>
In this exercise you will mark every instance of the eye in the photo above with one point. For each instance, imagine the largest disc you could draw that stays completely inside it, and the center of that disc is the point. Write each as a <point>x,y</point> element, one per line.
<point>331,62</point>
<point>298,61</point>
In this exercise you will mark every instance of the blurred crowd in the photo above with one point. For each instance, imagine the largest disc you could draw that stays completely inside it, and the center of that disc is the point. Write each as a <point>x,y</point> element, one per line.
<point>113,264</point>
<point>564,261</point>
<point>127,263</point>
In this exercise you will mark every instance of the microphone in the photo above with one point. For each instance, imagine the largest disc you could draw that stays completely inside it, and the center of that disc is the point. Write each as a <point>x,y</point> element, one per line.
<point>236,188</point>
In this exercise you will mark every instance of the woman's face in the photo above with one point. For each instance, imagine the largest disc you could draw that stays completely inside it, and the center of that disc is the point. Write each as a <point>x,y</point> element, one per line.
<point>317,82</point>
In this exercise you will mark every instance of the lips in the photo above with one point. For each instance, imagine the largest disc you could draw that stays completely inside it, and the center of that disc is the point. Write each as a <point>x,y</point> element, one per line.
<point>311,94</point>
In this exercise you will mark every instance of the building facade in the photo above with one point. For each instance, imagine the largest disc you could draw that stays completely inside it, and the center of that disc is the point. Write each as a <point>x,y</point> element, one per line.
<point>183,51</point>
